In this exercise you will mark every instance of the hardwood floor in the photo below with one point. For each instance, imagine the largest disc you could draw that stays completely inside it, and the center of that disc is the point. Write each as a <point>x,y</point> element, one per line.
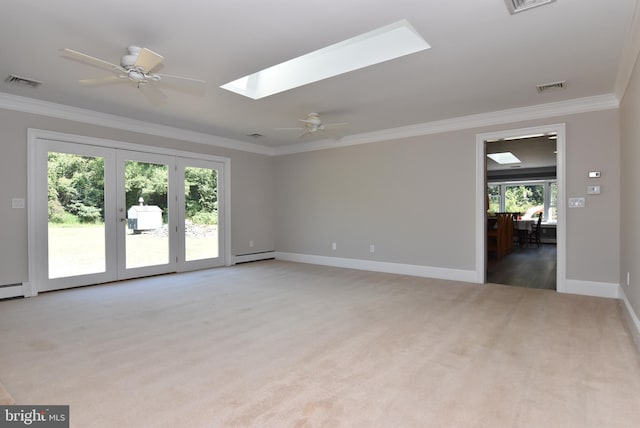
<point>529,267</point>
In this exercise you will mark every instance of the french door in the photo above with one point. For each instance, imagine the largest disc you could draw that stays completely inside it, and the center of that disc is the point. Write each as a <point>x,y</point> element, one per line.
<point>102,214</point>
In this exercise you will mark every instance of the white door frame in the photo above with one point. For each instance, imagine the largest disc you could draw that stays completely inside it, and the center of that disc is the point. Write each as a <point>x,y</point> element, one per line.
<point>34,136</point>
<point>481,259</point>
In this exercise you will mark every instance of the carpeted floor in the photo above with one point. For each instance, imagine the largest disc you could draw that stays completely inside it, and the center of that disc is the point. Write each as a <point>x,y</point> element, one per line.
<point>276,344</point>
<point>5,397</point>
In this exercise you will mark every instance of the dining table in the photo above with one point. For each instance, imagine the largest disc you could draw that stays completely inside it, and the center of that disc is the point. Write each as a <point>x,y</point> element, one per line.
<point>523,227</point>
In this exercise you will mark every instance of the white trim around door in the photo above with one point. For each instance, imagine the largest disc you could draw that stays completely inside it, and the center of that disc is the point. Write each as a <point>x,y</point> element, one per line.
<point>37,234</point>
<point>560,129</point>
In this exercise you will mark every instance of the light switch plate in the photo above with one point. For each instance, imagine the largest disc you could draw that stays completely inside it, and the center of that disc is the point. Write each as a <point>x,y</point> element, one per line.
<point>594,174</point>
<point>576,202</point>
<point>17,203</point>
<point>593,190</point>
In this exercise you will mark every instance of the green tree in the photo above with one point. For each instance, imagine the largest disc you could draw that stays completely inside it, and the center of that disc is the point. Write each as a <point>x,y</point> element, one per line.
<point>147,181</point>
<point>75,188</point>
<point>523,197</point>
<point>201,195</point>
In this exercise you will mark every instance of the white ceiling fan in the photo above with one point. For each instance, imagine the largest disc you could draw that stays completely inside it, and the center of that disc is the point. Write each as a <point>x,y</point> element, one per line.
<point>136,66</point>
<point>313,124</point>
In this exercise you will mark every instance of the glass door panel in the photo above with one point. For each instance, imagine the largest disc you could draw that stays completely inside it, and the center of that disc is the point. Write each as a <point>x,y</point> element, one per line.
<point>76,228</point>
<point>146,202</point>
<point>201,213</point>
<point>145,214</point>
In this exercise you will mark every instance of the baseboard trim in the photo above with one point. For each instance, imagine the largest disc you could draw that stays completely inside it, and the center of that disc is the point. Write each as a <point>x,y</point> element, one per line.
<point>254,257</point>
<point>631,318</point>
<point>592,288</point>
<point>11,291</point>
<point>386,267</point>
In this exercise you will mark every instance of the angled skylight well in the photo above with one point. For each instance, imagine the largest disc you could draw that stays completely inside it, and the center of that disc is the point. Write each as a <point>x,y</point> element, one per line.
<point>377,46</point>
<point>516,6</point>
<point>504,158</point>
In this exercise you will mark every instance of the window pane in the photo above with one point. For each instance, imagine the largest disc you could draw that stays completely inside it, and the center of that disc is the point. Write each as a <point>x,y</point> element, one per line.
<point>494,198</point>
<point>525,199</point>
<point>553,202</point>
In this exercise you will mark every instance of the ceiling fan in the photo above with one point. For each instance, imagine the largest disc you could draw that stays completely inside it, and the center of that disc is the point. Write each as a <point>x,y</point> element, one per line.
<point>136,66</point>
<point>313,124</point>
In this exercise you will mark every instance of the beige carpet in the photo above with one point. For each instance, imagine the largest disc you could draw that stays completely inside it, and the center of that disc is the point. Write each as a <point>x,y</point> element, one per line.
<point>275,344</point>
<point>5,397</point>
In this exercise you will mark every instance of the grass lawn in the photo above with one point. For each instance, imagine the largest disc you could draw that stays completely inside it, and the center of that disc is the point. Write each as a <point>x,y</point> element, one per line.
<point>80,249</point>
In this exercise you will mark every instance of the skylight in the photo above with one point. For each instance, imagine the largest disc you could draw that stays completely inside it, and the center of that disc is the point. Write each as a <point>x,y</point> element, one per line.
<point>377,46</point>
<point>504,158</point>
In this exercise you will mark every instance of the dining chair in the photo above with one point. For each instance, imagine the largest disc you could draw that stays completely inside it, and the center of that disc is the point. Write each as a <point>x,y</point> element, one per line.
<point>534,235</point>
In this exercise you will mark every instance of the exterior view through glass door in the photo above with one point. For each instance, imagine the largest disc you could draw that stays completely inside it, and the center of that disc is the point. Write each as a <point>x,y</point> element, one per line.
<point>103,214</point>
<point>145,213</point>
<point>201,217</point>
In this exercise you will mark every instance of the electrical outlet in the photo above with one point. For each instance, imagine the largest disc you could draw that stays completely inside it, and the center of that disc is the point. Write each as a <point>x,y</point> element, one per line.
<point>334,246</point>
<point>251,243</point>
<point>372,248</point>
<point>628,279</point>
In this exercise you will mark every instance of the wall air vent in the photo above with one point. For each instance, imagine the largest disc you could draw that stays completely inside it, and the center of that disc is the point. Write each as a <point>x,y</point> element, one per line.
<point>22,81</point>
<point>516,6</point>
<point>549,86</point>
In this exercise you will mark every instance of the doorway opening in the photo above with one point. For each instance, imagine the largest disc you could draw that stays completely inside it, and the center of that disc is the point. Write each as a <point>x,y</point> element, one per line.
<point>521,210</point>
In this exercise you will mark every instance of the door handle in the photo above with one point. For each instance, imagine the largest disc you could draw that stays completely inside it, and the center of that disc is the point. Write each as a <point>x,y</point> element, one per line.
<point>122,220</point>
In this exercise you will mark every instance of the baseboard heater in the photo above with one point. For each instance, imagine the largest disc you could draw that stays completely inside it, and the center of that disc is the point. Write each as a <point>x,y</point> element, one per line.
<point>254,257</point>
<point>11,290</point>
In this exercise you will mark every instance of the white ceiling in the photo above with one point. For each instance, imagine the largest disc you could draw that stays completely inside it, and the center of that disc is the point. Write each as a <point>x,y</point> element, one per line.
<point>482,58</point>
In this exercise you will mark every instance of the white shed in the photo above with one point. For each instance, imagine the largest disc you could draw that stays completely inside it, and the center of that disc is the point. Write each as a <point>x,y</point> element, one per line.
<point>144,217</point>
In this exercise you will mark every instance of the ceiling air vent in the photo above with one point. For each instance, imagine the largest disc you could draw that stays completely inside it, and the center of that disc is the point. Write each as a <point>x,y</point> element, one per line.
<point>554,85</point>
<point>516,6</point>
<point>22,81</point>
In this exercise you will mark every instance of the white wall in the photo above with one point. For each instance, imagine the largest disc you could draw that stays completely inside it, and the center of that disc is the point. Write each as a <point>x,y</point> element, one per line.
<point>415,199</point>
<point>630,207</point>
<point>252,208</point>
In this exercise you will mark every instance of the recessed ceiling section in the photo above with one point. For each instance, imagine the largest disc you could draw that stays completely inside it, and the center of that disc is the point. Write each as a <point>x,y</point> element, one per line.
<point>383,44</point>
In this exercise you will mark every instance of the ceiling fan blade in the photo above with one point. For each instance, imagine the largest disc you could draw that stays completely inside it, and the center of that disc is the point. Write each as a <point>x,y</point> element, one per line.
<point>189,79</point>
<point>87,59</point>
<point>335,125</point>
<point>148,60</point>
<point>153,94</point>
<point>106,80</point>
<point>183,84</point>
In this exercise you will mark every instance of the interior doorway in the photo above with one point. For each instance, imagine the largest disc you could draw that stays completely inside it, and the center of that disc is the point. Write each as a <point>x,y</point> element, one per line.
<point>521,179</point>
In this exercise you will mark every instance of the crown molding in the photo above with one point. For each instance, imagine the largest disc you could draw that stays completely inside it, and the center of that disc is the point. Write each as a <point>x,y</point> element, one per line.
<point>540,111</point>
<point>61,111</point>
<point>629,57</point>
